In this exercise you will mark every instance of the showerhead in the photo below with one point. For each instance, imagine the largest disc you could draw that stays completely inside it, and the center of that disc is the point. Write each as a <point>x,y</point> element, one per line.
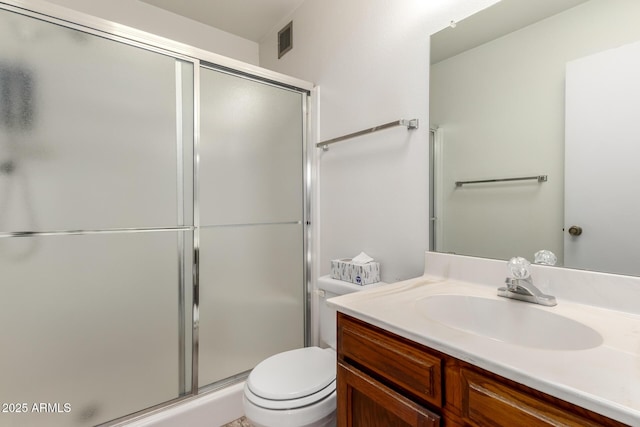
<point>7,167</point>
<point>16,97</point>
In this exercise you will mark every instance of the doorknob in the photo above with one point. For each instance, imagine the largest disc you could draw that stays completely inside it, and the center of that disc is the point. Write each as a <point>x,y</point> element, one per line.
<point>575,230</point>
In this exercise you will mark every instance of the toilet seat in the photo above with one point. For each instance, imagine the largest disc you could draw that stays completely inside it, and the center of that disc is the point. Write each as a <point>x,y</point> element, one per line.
<point>292,403</point>
<point>293,379</point>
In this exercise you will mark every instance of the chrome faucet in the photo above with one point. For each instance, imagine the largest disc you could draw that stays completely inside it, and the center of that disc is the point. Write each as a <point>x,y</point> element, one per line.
<point>521,286</point>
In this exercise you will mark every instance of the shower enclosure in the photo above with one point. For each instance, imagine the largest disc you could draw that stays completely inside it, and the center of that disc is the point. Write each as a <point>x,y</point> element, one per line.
<point>152,223</point>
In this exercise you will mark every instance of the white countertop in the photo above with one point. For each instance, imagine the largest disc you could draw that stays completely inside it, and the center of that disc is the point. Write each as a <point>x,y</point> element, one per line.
<point>604,379</point>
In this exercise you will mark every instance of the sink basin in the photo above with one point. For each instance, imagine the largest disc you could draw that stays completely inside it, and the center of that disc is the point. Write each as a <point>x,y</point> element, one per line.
<point>509,321</point>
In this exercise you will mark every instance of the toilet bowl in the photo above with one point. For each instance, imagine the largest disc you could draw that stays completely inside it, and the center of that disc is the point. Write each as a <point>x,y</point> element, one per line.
<point>297,388</point>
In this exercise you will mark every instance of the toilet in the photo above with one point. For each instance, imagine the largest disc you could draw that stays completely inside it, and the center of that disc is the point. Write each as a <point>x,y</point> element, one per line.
<point>297,388</point>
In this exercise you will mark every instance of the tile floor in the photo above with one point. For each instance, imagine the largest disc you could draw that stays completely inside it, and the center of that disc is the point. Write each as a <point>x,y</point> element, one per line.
<point>241,422</point>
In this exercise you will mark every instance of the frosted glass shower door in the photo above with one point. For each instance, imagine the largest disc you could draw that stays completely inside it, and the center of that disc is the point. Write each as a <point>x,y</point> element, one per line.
<point>96,224</point>
<point>251,223</point>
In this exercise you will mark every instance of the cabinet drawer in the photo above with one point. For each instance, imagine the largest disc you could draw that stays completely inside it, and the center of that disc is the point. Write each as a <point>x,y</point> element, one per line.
<point>399,362</point>
<point>486,401</point>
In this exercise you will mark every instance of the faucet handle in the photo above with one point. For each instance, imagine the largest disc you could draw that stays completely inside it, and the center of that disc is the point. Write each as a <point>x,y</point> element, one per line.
<point>519,268</point>
<point>545,257</point>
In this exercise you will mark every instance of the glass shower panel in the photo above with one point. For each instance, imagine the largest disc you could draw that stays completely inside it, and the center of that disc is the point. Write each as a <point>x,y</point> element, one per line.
<point>89,324</point>
<point>251,151</point>
<point>251,218</point>
<point>87,130</point>
<point>251,296</point>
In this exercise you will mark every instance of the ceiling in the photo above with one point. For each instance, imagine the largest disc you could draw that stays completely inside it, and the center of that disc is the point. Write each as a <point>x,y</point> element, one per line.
<point>249,19</point>
<point>254,19</point>
<point>502,18</point>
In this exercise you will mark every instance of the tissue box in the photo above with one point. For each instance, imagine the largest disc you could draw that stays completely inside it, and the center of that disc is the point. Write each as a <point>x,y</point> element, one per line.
<point>360,274</point>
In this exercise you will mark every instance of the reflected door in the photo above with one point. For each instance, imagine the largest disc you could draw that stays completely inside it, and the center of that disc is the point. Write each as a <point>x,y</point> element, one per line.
<point>251,223</point>
<point>602,177</point>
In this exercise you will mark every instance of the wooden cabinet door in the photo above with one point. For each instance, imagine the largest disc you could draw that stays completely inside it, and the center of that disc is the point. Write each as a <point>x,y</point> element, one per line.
<point>364,402</point>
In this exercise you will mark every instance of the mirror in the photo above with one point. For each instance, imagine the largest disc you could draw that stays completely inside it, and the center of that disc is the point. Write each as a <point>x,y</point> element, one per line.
<point>535,121</point>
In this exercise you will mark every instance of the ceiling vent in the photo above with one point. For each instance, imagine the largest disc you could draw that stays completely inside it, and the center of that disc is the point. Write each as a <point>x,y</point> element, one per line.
<point>285,39</point>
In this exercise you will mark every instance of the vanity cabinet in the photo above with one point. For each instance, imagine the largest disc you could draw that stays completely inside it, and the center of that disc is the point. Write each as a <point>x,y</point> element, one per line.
<point>385,380</point>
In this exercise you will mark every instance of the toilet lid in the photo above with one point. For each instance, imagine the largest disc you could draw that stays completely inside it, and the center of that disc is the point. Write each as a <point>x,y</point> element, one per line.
<point>293,374</point>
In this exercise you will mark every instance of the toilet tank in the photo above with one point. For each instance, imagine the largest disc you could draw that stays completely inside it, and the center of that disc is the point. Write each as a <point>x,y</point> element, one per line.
<point>330,288</point>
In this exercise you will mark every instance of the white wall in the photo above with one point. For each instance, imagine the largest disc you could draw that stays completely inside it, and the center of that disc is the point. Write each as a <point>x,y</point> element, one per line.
<point>370,59</point>
<point>163,23</point>
<point>501,109</point>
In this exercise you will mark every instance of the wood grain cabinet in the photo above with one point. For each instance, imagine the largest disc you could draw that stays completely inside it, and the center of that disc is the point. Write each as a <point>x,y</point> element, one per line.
<point>388,381</point>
